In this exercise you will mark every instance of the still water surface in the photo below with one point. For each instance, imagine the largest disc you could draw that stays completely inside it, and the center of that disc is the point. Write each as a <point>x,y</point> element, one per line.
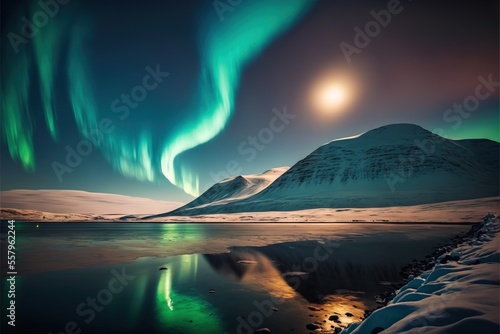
<point>219,278</point>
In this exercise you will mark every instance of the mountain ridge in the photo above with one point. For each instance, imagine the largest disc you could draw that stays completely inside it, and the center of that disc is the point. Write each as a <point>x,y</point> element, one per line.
<point>397,164</point>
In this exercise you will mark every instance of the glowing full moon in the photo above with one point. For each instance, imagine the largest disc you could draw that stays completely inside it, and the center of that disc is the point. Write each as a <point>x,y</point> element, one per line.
<point>330,97</point>
<point>332,94</point>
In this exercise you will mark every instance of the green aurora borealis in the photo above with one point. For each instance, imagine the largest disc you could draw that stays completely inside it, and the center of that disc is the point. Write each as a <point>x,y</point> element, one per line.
<point>227,74</point>
<point>225,53</point>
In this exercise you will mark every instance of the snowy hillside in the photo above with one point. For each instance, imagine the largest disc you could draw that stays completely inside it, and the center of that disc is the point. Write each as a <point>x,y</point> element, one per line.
<point>456,296</point>
<point>394,165</point>
<point>235,188</point>
<point>75,204</point>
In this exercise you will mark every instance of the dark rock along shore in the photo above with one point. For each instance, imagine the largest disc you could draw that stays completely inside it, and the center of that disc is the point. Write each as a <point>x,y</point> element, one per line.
<point>417,267</point>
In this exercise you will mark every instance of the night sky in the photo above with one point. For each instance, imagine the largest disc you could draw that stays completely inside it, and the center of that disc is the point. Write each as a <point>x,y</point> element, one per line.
<point>170,91</point>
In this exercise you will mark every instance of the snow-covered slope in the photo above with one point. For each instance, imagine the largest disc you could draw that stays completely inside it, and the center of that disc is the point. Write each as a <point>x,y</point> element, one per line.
<point>394,165</point>
<point>454,297</point>
<point>77,202</point>
<point>234,189</point>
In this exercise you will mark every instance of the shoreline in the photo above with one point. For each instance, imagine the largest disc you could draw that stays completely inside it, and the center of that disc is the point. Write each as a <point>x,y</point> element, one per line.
<point>421,269</point>
<point>416,267</point>
<point>84,222</point>
<point>463,211</point>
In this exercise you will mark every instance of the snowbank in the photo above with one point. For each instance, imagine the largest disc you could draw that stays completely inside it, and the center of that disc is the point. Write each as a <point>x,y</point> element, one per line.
<point>77,202</point>
<point>454,297</point>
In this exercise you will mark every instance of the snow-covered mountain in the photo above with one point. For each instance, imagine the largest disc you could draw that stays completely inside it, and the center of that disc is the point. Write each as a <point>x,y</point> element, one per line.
<point>399,164</point>
<point>234,189</point>
<point>78,202</point>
